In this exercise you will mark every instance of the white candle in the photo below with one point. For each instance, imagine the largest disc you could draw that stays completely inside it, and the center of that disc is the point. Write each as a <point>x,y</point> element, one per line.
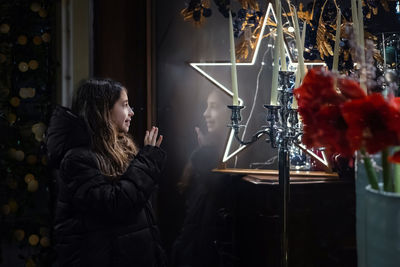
<point>280,35</point>
<point>337,41</point>
<point>300,57</point>
<point>360,17</point>
<point>384,52</point>
<point>363,78</point>
<point>355,18</point>
<point>275,72</point>
<point>299,45</point>
<point>298,75</point>
<point>303,41</point>
<point>233,62</point>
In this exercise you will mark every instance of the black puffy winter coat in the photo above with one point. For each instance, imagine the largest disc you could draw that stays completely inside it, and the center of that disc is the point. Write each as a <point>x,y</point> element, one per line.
<point>99,221</point>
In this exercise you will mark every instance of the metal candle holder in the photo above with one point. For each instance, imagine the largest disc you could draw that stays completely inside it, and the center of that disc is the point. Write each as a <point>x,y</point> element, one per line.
<point>283,130</point>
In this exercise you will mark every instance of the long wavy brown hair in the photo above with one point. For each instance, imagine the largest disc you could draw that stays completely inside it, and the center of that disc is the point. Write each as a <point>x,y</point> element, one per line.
<point>93,102</point>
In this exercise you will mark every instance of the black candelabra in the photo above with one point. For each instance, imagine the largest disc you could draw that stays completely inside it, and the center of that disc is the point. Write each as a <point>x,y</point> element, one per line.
<point>283,130</point>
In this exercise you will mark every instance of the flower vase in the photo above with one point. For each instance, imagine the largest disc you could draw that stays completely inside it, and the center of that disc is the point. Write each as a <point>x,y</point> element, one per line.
<point>361,182</point>
<point>382,228</point>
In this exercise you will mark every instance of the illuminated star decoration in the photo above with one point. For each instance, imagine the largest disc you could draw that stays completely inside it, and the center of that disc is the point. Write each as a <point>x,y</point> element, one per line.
<point>198,67</point>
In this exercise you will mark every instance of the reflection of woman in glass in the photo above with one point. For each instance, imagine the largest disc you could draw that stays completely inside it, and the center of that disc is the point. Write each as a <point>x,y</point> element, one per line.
<point>216,117</point>
<point>204,228</point>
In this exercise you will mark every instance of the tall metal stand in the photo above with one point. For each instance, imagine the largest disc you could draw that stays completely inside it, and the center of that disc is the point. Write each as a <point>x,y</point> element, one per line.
<point>282,131</point>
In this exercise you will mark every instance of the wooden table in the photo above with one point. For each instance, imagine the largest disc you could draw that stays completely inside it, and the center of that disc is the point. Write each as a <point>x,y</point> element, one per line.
<point>258,176</point>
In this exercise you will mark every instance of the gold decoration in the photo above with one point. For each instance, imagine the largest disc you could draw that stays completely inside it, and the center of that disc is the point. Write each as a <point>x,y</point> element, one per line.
<point>4,28</point>
<point>35,7</point>
<point>15,101</point>
<point>45,242</point>
<point>27,92</point>
<point>19,234</point>
<point>188,15</point>
<point>375,10</point>
<point>19,155</point>
<point>346,55</point>
<point>11,117</point>
<point>31,160</point>
<point>46,37</point>
<point>37,40</point>
<point>367,36</point>
<point>3,58</point>
<point>42,13</point>
<point>385,5</point>
<point>323,35</point>
<point>39,129</point>
<point>249,4</point>
<point>33,186</point>
<point>33,64</point>
<point>248,40</point>
<point>376,53</point>
<point>29,177</point>
<point>33,240</point>
<point>23,66</point>
<point>22,40</point>
<point>246,45</point>
<point>304,15</point>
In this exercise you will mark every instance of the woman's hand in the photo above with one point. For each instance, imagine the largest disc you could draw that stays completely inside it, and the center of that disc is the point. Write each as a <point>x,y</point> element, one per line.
<point>151,137</point>
<point>201,139</point>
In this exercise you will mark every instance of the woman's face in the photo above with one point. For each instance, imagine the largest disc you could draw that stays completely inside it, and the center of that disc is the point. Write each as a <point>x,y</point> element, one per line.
<point>216,114</point>
<point>121,113</point>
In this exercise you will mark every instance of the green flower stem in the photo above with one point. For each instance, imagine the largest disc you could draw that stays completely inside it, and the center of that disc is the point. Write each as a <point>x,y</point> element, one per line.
<point>396,175</point>
<point>387,178</point>
<point>372,179</point>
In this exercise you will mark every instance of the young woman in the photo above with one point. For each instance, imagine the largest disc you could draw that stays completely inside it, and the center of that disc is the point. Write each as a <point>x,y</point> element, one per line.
<point>103,214</point>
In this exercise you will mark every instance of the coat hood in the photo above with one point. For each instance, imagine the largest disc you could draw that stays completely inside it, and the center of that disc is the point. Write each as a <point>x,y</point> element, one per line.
<point>66,131</point>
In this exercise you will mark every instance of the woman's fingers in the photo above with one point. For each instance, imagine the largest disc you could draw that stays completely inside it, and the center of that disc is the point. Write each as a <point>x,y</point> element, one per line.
<point>151,137</point>
<point>146,138</point>
<point>155,134</point>
<point>159,141</point>
<point>151,134</point>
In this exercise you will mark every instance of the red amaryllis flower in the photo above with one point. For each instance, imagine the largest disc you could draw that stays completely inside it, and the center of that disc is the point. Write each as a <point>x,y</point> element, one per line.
<point>331,131</point>
<point>370,123</point>
<point>350,89</point>
<point>319,107</point>
<point>395,158</point>
<point>394,119</point>
<point>316,90</point>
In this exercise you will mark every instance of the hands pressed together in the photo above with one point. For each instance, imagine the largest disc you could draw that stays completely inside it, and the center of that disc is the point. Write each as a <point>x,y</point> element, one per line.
<point>151,137</point>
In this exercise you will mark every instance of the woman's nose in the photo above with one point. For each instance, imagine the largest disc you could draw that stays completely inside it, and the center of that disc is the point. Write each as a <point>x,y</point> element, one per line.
<point>206,113</point>
<point>131,112</point>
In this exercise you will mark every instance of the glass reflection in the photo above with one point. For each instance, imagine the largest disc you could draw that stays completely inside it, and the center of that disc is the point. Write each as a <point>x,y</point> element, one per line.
<point>205,238</point>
